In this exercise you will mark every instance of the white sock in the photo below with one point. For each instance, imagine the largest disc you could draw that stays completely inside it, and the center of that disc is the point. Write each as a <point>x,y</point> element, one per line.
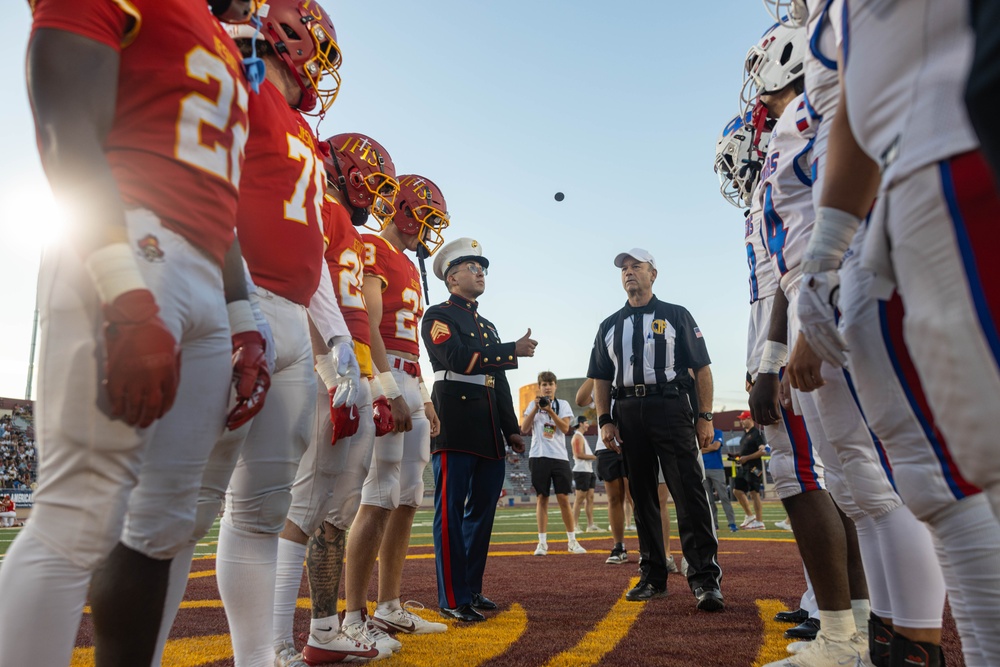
<point>837,626</point>
<point>245,570</point>
<point>287,581</point>
<point>388,605</point>
<point>861,610</point>
<point>324,629</point>
<point>180,569</point>
<point>41,587</point>
<point>908,554</point>
<point>571,535</point>
<point>543,538</point>
<point>352,617</point>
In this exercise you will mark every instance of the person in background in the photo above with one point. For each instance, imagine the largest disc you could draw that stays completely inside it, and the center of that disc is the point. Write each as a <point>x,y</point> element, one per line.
<point>584,478</point>
<point>715,480</point>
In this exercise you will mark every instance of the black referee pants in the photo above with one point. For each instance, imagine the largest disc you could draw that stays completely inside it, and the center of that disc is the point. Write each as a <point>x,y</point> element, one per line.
<point>658,432</point>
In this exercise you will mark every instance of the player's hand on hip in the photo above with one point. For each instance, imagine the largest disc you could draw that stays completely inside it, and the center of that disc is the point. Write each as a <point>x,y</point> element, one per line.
<point>401,415</point>
<point>382,416</point>
<point>525,345</point>
<point>805,366</point>
<point>817,304</point>
<point>251,377</point>
<point>143,365</point>
<point>764,399</point>
<point>611,438</point>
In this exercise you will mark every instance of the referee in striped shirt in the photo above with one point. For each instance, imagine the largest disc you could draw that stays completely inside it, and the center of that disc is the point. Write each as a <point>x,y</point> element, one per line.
<point>650,357</point>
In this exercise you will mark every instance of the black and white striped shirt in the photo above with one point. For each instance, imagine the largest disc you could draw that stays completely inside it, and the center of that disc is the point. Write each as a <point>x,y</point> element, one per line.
<point>665,345</point>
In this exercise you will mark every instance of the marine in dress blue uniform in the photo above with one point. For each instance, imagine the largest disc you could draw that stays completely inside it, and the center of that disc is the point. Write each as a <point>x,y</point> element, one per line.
<point>473,402</point>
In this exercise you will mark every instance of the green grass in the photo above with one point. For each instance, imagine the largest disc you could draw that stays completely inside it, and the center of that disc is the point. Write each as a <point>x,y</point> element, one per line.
<point>516,525</point>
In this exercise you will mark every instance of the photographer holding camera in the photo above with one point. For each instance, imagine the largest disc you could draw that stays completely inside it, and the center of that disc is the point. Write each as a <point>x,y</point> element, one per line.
<point>547,420</point>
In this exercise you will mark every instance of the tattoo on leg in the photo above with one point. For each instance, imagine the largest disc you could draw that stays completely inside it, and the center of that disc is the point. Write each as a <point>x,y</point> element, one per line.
<point>324,564</point>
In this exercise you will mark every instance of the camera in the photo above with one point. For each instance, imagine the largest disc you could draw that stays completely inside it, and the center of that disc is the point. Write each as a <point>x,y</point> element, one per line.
<point>543,402</point>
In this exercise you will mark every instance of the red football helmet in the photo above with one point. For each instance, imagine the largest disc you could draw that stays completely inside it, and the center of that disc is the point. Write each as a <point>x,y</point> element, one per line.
<point>361,168</point>
<point>302,34</point>
<point>421,209</point>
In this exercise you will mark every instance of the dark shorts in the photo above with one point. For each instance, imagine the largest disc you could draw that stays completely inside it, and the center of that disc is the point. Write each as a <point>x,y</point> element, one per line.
<point>747,483</point>
<point>610,466</point>
<point>546,472</point>
<point>584,481</point>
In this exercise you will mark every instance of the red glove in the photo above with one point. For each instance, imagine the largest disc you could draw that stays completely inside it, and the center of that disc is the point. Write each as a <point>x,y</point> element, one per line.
<point>346,420</point>
<point>382,416</point>
<point>250,377</point>
<point>143,366</point>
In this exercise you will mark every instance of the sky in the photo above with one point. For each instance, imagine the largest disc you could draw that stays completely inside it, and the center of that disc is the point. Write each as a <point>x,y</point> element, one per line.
<point>503,104</point>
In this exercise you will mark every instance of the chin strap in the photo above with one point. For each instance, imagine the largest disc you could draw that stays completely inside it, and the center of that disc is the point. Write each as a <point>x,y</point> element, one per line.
<point>421,256</point>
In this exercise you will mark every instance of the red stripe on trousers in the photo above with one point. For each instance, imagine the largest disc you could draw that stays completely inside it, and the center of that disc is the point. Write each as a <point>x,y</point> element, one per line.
<point>449,591</point>
<point>805,468</point>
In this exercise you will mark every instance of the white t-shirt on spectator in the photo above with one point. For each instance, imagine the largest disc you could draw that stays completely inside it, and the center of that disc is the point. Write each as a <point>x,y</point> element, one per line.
<point>546,439</point>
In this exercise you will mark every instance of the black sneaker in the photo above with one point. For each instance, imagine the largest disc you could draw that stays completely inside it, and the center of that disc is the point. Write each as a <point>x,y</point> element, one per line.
<point>617,557</point>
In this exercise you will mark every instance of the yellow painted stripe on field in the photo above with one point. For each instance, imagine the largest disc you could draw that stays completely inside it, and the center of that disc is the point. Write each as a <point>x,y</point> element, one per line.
<point>774,646</point>
<point>187,652</point>
<point>464,644</point>
<point>604,636</point>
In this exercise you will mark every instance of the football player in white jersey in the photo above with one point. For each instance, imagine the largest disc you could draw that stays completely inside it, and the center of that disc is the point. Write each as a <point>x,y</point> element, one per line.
<point>739,158</point>
<point>894,402</point>
<point>861,488</point>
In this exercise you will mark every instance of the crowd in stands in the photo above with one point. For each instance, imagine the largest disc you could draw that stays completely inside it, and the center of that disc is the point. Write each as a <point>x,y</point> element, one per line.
<point>18,456</point>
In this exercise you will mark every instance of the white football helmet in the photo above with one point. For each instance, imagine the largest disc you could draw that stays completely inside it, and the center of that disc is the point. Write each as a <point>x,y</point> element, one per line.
<point>792,13</point>
<point>775,61</point>
<point>739,158</point>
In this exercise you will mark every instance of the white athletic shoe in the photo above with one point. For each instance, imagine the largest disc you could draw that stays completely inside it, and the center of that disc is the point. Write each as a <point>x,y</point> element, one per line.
<point>575,548</point>
<point>824,653</point>
<point>748,520</point>
<point>285,655</point>
<point>631,526</point>
<point>342,648</point>
<point>783,524</point>
<point>672,565</point>
<point>797,647</point>
<point>860,641</point>
<point>381,637</point>
<point>404,620</point>
<point>592,528</point>
<point>755,525</point>
<point>684,566</point>
<point>359,632</point>
<point>542,549</point>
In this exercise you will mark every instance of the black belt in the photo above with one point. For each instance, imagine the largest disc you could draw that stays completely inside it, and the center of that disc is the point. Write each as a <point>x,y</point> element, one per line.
<point>665,389</point>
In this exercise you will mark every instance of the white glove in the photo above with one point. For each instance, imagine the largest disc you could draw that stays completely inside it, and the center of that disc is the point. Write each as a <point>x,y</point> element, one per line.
<point>818,296</point>
<point>340,372</point>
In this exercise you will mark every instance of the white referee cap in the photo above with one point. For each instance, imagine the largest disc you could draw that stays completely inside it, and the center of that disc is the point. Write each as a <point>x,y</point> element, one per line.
<point>456,252</point>
<point>635,253</point>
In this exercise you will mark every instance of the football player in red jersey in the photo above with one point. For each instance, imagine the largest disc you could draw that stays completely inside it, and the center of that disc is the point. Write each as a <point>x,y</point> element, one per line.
<point>394,487</point>
<point>279,227</point>
<point>135,103</point>
<point>327,489</point>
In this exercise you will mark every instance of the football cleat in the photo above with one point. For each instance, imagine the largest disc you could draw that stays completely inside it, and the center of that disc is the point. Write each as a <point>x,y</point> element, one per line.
<point>824,653</point>
<point>404,620</point>
<point>285,655</point>
<point>341,648</point>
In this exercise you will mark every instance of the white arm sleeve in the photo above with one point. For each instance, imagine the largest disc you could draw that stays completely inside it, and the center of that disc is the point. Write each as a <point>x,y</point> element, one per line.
<point>324,311</point>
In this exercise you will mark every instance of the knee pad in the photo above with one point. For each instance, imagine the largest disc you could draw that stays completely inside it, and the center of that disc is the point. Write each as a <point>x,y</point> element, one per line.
<point>869,486</point>
<point>841,494</point>
<point>263,514</point>
<point>381,487</point>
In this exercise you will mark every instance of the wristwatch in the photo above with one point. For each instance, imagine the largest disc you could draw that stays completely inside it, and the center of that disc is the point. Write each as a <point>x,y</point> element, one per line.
<point>707,416</point>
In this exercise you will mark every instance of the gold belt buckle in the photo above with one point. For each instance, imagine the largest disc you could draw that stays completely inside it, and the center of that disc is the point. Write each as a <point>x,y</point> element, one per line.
<point>490,381</point>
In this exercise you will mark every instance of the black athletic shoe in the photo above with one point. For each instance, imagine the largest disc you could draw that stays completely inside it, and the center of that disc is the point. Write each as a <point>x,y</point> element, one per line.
<point>806,630</point>
<point>643,592</point>
<point>796,617</point>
